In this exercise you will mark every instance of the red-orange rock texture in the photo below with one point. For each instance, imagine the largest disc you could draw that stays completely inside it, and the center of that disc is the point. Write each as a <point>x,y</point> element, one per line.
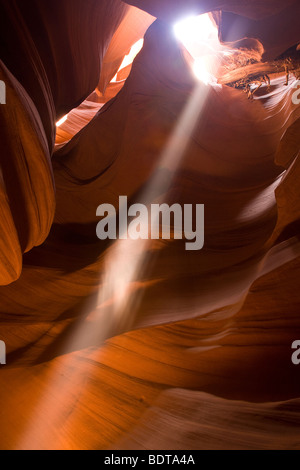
<point>146,346</point>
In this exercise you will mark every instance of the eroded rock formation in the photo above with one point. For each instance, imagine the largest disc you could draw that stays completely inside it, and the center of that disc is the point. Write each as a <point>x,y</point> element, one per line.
<point>111,345</point>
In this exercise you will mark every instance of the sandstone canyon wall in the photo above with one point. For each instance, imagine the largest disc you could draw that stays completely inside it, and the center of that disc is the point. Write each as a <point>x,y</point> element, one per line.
<point>142,344</point>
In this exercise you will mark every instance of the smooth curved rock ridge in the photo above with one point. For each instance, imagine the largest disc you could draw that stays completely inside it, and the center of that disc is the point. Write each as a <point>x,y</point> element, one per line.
<point>27,179</point>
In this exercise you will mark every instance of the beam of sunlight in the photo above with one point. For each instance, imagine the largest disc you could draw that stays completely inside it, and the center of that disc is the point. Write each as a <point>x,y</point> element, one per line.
<point>129,259</point>
<point>199,36</point>
<point>126,263</point>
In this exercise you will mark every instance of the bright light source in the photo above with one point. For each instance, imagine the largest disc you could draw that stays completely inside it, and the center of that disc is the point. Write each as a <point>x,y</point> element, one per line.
<point>199,35</point>
<point>61,121</point>
<point>201,71</point>
<point>129,58</point>
<point>199,29</point>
